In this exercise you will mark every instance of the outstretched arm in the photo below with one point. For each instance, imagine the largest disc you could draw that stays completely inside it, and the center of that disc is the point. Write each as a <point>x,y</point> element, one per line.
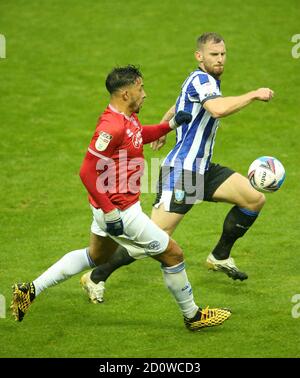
<point>223,106</point>
<point>153,132</point>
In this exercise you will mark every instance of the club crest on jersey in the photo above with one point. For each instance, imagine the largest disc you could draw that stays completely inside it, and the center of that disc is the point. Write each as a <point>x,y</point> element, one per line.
<point>134,122</point>
<point>103,141</point>
<point>179,195</point>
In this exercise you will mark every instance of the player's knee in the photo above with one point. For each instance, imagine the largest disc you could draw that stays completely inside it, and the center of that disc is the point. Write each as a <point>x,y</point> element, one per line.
<point>256,202</point>
<point>173,253</point>
<point>97,256</point>
<point>169,230</point>
<point>93,255</point>
<point>259,201</point>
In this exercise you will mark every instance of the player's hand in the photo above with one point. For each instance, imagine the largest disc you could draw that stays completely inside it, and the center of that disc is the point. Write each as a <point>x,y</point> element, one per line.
<point>157,144</point>
<point>180,118</point>
<point>264,94</point>
<point>114,223</point>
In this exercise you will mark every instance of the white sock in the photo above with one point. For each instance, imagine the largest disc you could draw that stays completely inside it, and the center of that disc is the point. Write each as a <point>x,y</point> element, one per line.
<point>70,264</point>
<point>177,282</point>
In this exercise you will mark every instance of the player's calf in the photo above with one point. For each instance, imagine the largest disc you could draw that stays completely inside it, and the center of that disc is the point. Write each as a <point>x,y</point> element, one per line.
<point>173,255</point>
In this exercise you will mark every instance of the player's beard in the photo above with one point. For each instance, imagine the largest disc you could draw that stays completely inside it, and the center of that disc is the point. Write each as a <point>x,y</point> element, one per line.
<point>136,106</point>
<point>216,71</point>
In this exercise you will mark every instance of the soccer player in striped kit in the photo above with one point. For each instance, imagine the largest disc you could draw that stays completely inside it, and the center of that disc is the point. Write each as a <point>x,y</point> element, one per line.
<point>111,173</point>
<point>188,175</point>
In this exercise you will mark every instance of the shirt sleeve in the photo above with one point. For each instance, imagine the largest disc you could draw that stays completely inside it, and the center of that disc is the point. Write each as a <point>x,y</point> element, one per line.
<point>107,138</point>
<point>150,133</point>
<point>203,87</point>
<point>89,177</point>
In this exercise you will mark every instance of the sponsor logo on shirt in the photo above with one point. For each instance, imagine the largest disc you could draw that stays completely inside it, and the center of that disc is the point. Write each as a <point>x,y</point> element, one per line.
<point>136,138</point>
<point>210,94</point>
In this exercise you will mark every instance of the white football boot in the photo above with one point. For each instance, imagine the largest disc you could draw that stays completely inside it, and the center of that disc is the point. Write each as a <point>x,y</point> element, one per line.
<point>226,266</point>
<point>94,291</point>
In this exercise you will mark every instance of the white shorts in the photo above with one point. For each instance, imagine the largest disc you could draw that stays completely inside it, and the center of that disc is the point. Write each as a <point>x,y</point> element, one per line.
<point>142,237</point>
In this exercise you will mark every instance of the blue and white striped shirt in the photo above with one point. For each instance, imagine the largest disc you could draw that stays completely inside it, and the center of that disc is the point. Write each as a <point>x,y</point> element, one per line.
<point>195,141</point>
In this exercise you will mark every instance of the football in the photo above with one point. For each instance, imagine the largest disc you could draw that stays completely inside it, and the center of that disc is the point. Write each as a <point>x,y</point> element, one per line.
<point>266,174</point>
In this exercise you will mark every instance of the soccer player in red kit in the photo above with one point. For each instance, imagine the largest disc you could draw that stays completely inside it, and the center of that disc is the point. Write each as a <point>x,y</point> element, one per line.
<point>111,173</point>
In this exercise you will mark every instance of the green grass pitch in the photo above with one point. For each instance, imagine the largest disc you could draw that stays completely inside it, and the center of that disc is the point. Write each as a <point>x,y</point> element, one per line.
<point>58,54</point>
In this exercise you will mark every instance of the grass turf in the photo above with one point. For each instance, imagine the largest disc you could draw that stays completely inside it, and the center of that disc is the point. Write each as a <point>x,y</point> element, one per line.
<point>52,91</point>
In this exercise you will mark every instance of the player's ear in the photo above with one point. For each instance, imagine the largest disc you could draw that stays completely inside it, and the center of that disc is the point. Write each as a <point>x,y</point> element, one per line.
<point>125,95</point>
<point>199,56</point>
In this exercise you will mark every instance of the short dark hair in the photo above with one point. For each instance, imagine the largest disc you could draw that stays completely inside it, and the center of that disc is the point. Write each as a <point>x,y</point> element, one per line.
<point>209,36</point>
<point>122,76</point>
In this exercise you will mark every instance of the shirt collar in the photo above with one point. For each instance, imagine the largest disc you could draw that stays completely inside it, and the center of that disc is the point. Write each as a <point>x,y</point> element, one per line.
<point>217,80</point>
<point>116,111</point>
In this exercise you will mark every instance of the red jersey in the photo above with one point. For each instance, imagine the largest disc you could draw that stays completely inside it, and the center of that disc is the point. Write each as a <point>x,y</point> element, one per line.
<point>114,163</point>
